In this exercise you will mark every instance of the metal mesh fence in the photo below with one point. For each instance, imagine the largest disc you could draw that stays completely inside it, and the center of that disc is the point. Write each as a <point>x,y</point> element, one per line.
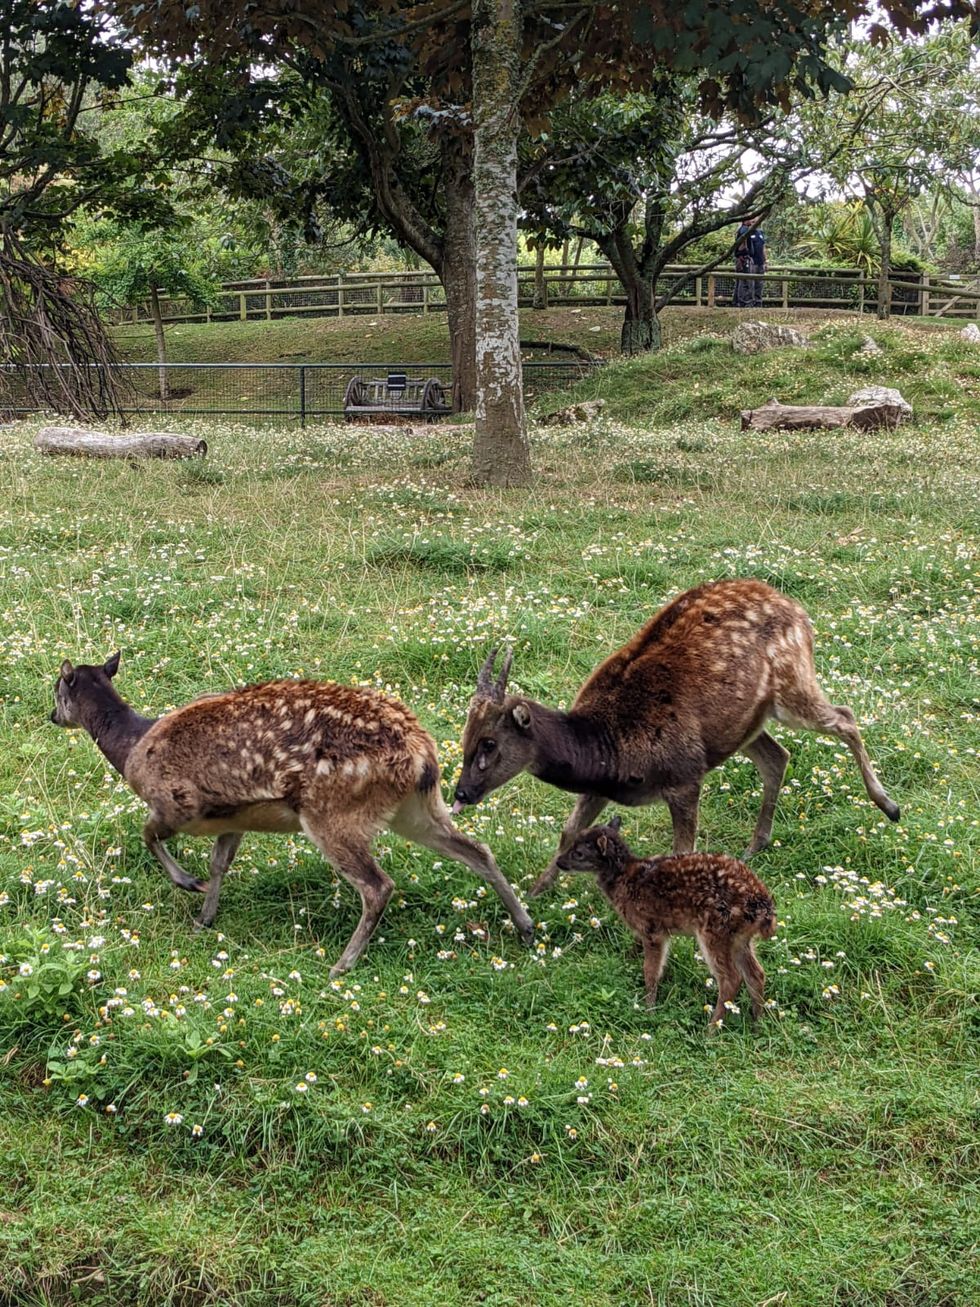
<point>297,391</point>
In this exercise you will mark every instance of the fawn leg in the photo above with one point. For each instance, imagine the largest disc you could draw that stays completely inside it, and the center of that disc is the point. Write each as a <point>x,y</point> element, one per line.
<point>655,950</point>
<point>426,820</point>
<point>717,954</point>
<point>351,855</point>
<point>222,856</point>
<point>752,973</point>
<point>154,833</point>
<point>770,759</point>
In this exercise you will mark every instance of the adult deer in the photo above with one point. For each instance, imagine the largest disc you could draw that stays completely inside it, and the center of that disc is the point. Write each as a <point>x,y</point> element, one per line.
<point>337,762</point>
<point>696,684</point>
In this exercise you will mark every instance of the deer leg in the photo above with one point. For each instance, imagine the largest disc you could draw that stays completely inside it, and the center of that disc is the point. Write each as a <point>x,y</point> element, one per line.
<point>812,710</point>
<point>426,820</point>
<point>351,856</point>
<point>770,759</point>
<point>222,856</point>
<point>683,805</point>
<point>587,808</point>
<point>752,973</point>
<point>717,954</point>
<point>154,834</point>
<point>655,949</point>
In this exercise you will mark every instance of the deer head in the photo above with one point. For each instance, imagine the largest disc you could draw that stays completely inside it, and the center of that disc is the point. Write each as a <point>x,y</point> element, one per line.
<point>497,739</point>
<point>81,685</point>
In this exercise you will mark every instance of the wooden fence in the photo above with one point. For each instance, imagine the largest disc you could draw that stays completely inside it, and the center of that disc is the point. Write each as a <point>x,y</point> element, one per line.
<point>376,293</point>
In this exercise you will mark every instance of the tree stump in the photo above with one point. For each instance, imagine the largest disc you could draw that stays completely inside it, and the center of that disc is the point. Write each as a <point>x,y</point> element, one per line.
<point>774,416</point>
<point>79,442</point>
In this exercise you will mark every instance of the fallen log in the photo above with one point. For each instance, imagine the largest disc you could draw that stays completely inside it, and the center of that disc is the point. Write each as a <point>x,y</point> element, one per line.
<point>100,444</point>
<point>791,417</point>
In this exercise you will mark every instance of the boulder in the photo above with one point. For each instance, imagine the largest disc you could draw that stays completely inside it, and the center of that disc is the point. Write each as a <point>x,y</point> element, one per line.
<point>971,333</point>
<point>870,396</point>
<point>757,337</point>
<point>870,347</point>
<point>587,411</point>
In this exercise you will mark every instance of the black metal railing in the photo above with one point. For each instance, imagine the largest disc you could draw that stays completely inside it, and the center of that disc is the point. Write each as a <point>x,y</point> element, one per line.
<point>294,391</point>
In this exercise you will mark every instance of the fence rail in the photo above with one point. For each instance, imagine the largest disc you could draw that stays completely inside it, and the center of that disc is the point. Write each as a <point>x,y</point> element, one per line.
<point>291,391</point>
<point>369,293</point>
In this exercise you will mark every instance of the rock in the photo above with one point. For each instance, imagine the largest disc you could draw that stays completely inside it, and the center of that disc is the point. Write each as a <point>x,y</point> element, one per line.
<point>757,337</point>
<point>869,396</point>
<point>870,347</point>
<point>971,333</point>
<point>587,411</point>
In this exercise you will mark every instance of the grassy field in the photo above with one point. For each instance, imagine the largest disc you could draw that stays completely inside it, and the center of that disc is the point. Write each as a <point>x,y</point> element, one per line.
<point>196,1119</point>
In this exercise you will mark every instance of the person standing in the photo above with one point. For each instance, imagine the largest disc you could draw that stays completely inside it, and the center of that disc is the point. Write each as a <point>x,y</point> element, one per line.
<point>756,241</point>
<point>750,257</point>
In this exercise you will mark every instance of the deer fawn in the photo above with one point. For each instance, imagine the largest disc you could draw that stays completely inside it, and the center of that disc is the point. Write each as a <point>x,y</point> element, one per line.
<point>716,899</point>
<point>692,687</point>
<point>338,763</point>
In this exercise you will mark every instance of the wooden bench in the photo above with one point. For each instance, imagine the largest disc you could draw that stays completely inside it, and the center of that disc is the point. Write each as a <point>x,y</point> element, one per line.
<point>395,394</point>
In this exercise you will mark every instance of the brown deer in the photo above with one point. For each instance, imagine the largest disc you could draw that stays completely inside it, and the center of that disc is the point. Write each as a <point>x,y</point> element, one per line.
<point>336,762</point>
<point>696,684</point>
<point>716,899</point>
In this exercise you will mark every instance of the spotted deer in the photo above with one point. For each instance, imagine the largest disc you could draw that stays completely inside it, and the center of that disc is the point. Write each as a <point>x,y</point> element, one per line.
<point>337,762</point>
<point>716,899</point>
<point>696,684</point>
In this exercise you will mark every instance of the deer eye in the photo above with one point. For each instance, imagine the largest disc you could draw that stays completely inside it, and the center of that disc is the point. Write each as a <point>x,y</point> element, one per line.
<point>488,746</point>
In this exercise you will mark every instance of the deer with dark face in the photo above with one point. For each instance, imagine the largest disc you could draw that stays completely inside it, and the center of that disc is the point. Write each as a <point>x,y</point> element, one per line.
<point>339,763</point>
<point>695,685</point>
<point>716,899</point>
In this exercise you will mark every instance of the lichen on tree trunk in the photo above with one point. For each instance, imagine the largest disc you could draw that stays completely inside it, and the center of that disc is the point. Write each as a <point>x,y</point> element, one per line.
<point>501,455</point>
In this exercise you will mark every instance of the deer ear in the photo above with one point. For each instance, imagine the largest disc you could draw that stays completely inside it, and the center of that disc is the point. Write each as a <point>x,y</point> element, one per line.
<point>111,665</point>
<point>67,672</point>
<point>602,843</point>
<point>616,822</point>
<point>521,715</point>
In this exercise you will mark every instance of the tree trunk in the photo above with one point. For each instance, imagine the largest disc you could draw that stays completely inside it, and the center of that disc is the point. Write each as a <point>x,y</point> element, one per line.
<point>81,442</point>
<point>641,326</point>
<point>883,222</point>
<point>774,416</point>
<point>157,314</point>
<point>540,300</point>
<point>501,455</point>
<point>458,269</point>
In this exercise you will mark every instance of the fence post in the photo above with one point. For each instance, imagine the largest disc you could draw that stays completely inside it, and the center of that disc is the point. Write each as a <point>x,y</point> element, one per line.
<point>697,292</point>
<point>924,296</point>
<point>711,290</point>
<point>302,396</point>
<point>378,308</point>
<point>242,308</point>
<point>784,285</point>
<point>340,295</point>
<point>861,292</point>
<point>268,301</point>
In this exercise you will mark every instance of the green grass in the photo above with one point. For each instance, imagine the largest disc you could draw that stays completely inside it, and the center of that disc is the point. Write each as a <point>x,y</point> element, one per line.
<point>828,1157</point>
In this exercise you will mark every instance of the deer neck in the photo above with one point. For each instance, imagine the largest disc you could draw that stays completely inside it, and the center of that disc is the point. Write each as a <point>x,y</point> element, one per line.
<point>115,728</point>
<point>573,752</point>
